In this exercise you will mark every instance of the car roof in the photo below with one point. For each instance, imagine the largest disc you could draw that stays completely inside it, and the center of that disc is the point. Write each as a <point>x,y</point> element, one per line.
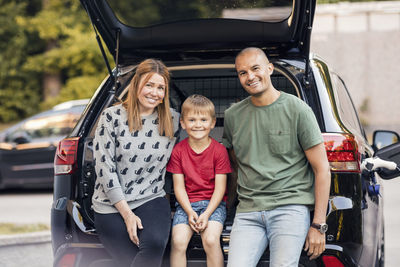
<point>71,104</point>
<point>200,37</point>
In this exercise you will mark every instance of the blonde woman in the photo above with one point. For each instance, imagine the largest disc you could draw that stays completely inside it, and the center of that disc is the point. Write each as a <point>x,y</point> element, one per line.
<point>133,143</point>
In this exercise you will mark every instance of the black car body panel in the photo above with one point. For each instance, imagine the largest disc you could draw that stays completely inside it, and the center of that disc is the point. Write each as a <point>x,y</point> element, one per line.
<point>355,211</point>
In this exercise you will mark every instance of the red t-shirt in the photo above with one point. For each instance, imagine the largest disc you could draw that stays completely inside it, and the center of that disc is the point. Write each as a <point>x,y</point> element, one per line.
<point>199,169</point>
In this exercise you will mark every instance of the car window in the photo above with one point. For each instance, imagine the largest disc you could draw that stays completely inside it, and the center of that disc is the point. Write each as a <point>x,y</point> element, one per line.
<point>139,13</point>
<point>345,105</point>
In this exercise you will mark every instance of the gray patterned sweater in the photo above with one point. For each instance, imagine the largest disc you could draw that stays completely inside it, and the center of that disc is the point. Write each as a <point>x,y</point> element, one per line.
<point>129,166</point>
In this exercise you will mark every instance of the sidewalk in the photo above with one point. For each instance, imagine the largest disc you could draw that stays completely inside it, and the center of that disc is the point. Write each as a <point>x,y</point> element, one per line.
<point>31,249</point>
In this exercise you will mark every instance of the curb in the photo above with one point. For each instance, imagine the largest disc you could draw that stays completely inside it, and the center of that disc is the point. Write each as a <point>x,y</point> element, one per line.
<point>23,239</point>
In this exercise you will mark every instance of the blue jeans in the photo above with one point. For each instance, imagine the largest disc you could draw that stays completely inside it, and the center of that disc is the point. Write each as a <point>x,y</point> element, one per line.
<point>284,229</point>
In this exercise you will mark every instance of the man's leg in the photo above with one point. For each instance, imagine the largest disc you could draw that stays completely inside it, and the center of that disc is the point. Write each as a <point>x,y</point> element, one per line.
<point>248,239</point>
<point>287,231</point>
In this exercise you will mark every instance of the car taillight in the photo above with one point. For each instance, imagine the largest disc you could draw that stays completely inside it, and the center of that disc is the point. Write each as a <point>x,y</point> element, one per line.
<point>331,261</point>
<point>65,158</point>
<point>68,260</point>
<point>342,152</point>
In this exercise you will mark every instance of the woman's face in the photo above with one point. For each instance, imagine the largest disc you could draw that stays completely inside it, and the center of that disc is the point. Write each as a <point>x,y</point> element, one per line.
<point>151,94</point>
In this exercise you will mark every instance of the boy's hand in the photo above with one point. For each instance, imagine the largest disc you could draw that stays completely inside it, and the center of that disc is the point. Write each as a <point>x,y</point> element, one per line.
<point>193,217</point>
<point>202,222</point>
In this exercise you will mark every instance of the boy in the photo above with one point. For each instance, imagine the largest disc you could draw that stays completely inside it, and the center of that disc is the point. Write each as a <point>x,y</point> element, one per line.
<point>199,165</point>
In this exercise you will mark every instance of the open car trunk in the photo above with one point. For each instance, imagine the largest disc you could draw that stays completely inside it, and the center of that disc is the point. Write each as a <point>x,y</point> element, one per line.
<point>217,82</point>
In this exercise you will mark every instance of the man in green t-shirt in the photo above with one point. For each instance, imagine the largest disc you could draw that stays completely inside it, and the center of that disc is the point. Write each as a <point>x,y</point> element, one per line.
<point>277,149</point>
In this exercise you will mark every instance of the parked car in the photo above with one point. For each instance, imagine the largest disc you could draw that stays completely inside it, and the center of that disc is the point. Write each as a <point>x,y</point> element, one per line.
<point>27,148</point>
<point>200,54</point>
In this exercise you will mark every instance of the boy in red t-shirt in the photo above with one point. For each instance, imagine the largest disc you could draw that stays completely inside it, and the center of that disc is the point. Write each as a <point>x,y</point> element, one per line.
<point>199,165</point>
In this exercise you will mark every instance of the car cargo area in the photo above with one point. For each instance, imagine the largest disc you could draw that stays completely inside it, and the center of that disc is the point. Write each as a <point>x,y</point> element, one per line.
<point>218,83</point>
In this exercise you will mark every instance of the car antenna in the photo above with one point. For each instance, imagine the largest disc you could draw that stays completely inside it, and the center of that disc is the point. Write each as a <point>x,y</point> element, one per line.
<point>306,77</point>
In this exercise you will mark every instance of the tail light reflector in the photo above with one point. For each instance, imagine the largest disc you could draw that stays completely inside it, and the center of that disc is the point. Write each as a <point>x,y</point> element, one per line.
<point>342,152</point>
<point>68,260</point>
<point>65,158</point>
<point>331,261</point>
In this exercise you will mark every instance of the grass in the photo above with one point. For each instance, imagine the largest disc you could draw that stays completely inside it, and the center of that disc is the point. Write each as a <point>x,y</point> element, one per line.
<point>12,228</point>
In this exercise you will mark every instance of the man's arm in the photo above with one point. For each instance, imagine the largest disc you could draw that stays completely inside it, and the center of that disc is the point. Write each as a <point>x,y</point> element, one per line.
<point>316,155</point>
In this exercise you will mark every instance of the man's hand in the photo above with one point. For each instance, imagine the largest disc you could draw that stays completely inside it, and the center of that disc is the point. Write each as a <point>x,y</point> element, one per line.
<point>133,223</point>
<point>315,243</point>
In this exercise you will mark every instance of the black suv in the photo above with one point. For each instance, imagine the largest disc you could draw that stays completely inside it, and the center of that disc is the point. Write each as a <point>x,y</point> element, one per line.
<point>200,54</point>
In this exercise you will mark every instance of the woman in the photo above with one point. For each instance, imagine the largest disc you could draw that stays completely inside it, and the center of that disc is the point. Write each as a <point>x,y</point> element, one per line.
<point>133,142</point>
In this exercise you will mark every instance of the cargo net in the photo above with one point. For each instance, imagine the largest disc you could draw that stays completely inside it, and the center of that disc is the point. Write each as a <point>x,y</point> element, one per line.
<point>224,91</point>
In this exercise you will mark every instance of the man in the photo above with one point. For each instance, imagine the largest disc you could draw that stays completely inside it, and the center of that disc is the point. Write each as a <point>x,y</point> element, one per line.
<point>282,170</point>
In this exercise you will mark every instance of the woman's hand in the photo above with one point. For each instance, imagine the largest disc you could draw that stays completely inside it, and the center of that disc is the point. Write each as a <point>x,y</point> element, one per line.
<point>133,223</point>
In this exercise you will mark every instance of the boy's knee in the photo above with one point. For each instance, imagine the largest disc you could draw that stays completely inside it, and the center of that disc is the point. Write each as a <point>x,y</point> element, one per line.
<point>178,243</point>
<point>211,241</point>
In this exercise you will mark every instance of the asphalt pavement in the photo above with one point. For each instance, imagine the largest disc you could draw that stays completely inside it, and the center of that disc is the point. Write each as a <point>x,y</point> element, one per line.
<point>26,207</point>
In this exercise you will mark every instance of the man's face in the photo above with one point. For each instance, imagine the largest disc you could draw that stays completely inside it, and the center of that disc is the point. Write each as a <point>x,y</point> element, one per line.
<point>254,72</point>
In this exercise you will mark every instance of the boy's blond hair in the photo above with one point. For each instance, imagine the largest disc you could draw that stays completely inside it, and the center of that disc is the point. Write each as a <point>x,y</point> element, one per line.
<point>198,104</point>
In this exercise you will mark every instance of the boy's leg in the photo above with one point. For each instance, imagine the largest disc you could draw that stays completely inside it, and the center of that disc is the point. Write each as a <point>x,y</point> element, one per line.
<point>181,234</point>
<point>248,239</point>
<point>210,238</point>
<point>287,230</point>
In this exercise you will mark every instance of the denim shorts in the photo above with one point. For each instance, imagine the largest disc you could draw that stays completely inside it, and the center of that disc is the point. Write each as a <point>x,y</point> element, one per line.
<point>199,207</point>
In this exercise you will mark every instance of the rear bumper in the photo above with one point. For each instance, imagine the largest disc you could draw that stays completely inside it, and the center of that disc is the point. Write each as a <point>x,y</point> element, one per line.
<point>94,254</point>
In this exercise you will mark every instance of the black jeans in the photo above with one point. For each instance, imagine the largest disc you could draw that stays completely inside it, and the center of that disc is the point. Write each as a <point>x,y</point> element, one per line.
<point>156,221</point>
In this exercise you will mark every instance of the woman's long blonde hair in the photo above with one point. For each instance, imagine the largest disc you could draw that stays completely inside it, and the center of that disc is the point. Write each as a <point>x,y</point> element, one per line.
<point>131,103</point>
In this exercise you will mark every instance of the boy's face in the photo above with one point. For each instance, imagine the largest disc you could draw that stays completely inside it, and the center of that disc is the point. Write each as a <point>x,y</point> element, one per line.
<point>197,125</point>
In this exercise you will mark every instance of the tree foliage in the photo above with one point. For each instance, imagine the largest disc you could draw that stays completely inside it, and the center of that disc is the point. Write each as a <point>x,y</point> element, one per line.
<point>74,53</point>
<point>19,90</point>
<point>28,27</point>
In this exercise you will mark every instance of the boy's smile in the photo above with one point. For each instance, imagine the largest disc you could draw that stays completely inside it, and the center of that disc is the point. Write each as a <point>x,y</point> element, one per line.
<point>198,125</point>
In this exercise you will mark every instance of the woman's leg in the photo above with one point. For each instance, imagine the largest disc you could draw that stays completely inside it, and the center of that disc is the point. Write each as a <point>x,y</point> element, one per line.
<point>156,221</point>
<point>210,238</point>
<point>112,232</point>
<point>181,234</point>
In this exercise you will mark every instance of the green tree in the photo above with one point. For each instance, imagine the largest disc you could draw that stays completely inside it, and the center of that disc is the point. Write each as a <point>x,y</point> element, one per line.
<point>19,89</point>
<point>74,53</point>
